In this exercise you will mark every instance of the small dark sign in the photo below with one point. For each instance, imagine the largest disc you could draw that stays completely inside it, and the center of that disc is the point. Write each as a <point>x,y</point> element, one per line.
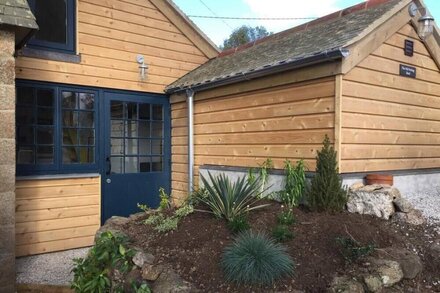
<point>409,48</point>
<point>407,71</point>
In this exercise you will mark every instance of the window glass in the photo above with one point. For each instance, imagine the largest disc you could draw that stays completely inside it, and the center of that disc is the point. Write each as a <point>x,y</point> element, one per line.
<point>78,118</point>
<point>56,22</point>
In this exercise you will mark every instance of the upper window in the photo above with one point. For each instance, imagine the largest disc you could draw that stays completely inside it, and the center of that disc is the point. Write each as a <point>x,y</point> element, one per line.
<point>56,129</point>
<point>56,21</point>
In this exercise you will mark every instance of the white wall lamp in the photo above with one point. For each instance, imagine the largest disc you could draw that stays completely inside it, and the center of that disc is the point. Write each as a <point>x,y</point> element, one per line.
<point>142,67</point>
<point>425,22</point>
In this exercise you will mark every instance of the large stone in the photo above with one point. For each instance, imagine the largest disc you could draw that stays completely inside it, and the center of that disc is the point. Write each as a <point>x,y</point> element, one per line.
<point>170,282</point>
<point>151,272</point>
<point>410,263</point>
<point>356,186</point>
<point>415,217</point>
<point>141,258</point>
<point>373,283</point>
<point>371,200</point>
<point>113,225</point>
<point>346,284</point>
<point>434,254</point>
<point>403,205</point>
<point>389,271</point>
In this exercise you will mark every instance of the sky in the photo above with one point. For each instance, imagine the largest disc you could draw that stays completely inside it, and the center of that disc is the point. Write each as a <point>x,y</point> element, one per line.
<point>219,30</point>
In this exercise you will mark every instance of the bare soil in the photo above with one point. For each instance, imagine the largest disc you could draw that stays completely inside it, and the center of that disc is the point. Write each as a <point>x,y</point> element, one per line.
<point>195,248</point>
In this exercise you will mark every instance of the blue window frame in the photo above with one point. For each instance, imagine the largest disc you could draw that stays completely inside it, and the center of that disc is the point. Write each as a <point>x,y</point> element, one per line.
<point>56,20</point>
<point>56,129</point>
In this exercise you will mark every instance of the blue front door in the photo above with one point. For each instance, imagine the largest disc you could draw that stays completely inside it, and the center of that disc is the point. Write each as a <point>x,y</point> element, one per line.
<point>137,151</point>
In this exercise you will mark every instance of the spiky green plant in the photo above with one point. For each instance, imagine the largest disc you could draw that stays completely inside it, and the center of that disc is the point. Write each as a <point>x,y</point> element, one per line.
<point>326,192</point>
<point>230,200</point>
<point>282,233</point>
<point>255,259</point>
<point>238,224</point>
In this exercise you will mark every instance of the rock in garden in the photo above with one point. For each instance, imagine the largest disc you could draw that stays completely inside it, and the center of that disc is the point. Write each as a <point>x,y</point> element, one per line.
<point>170,282</point>
<point>389,271</point>
<point>373,283</point>
<point>410,263</point>
<point>371,200</point>
<point>141,258</point>
<point>356,186</point>
<point>136,217</point>
<point>151,272</point>
<point>346,285</point>
<point>403,205</point>
<point>434,254</point>
<point>113,225</point>
<point>415,217</point>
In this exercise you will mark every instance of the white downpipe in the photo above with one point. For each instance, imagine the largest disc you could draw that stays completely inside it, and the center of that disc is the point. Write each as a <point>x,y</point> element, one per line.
<point>190,102</point>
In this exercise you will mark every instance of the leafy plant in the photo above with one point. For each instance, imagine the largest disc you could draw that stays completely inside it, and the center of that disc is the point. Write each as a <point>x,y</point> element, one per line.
<point>184,211</point>
<point>238,224</point>
<point>352,250</point>
<point>167,224</point>
<point>286,217</point>
<point>93,273</point>
<point>230,200</point>
<point>143,288</point>
<point>282,233</point>
<point>294,185</point>
<point>164,200</point>
<point>326,192</point>
<point>253,258</point>
<point>154,219</point>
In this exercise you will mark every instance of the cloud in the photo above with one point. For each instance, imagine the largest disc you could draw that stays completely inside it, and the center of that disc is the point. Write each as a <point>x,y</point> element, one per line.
<point>289,8</point>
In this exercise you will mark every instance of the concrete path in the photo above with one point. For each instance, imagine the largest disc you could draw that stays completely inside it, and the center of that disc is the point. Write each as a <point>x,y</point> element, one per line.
<point>50,268</point>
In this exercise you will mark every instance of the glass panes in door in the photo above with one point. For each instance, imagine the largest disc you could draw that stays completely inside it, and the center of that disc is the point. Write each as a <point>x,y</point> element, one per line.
<point>136,137</point>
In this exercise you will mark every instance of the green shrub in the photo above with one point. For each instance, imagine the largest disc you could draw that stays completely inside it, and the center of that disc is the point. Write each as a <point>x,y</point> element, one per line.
<point>92,274</point>
<point>282,233</point>
<point>167,224</point>
<point>154,219</point>
<point>326,192</point>
<point>256,259</point>
<point>352,250</point>
<point>164,200</point>
<point>238,224</point>
<point>230,200</point>
<point>286,217</point>
<point>295,183</point>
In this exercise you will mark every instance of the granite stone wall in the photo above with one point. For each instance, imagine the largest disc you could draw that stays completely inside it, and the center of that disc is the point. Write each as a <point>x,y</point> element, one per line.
<point>7,161</point>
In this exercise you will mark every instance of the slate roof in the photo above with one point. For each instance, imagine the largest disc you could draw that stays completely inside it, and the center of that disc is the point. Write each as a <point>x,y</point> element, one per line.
<point>17,13</point>
<point>327,34</point>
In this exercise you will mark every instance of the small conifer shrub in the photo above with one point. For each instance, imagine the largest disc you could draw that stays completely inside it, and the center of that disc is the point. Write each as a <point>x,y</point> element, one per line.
<point>326,192</point>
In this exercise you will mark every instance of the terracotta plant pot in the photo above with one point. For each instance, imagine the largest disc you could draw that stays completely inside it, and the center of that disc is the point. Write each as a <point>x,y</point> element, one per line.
<point>379,179</point>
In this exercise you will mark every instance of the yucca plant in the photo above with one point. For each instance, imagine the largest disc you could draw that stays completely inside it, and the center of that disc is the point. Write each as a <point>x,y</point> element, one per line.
<point>255,259</point>
<point>230,200</point>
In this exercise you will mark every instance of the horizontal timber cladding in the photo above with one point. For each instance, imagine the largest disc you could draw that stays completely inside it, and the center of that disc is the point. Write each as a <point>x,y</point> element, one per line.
<point>110,34</point>
<point>390,122</point>
<point>56,214</point>
<point>244,129</point>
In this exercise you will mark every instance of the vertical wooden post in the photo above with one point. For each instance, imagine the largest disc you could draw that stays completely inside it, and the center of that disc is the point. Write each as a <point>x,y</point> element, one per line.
<point>338,117</point>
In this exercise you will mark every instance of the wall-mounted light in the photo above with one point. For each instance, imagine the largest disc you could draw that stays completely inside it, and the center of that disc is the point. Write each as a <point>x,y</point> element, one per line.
<point>425,22</point>
<point>142,67</point>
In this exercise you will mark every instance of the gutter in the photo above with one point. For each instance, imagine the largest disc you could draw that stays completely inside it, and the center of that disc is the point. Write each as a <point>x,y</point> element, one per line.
<point>190,102</point>
<point>321,57</point>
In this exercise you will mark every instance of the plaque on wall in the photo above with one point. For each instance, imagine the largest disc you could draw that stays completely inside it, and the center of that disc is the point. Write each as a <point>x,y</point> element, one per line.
<point>408,71</point>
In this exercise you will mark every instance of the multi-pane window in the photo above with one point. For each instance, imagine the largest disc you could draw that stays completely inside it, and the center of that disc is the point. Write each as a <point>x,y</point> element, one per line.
<point>56,21</point>
<point>136,137</point>
<point>55,129</point>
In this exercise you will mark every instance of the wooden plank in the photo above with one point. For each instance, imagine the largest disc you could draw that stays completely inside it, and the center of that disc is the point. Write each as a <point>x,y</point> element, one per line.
<point>354,151</point>
<point>44,247</point>
<point>398,41</point>
<point>57,213</point>
<point>338,117</point>
<point>356,105</point>
<point>57,182</point>
<point>367,136</point>
<point>47,225</point>
<point>348,166</point>
<point>368,121</point>
<point>52,203</point>
<point>274,137</point>
<point>391,81</point>
<point>380,64</point>
<point>375,92</point>
<point>54,235</point>
<point>312,106</point>
<point>57,191</point>
<point>263,150</point>
<point>179,167</point>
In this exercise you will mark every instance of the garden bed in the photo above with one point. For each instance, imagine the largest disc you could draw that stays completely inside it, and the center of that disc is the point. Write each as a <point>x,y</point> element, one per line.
<point>194,249</point>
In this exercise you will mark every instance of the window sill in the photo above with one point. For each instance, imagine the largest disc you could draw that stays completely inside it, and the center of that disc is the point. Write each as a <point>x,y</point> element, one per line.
<point>49,55</point>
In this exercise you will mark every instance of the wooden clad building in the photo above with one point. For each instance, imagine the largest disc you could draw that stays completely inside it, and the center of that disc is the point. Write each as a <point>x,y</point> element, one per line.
<point>364,76</point>
<point>92,119</point>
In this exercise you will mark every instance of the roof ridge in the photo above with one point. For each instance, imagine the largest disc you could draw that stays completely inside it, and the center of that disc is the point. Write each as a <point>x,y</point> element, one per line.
<point>332,16</point>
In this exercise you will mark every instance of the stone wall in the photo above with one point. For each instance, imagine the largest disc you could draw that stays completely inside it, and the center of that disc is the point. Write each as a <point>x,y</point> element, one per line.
<point>7,161</point>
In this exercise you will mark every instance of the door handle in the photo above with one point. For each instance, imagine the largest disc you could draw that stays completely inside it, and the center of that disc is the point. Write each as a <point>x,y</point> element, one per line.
<point>109,166</point>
